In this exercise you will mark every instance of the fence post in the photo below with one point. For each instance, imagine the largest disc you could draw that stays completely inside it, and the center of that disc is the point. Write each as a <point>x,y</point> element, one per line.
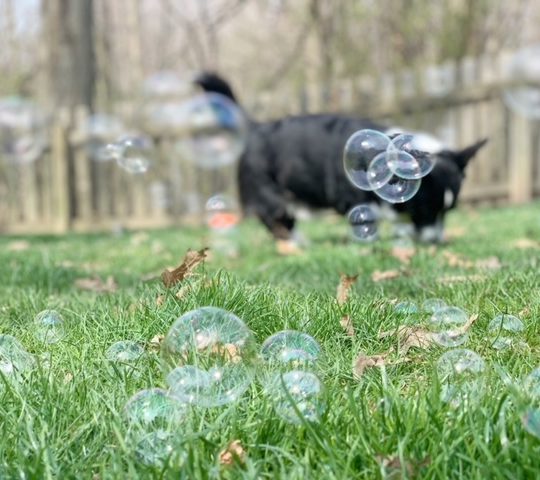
<point>60,172</point>
<point>521,159</point>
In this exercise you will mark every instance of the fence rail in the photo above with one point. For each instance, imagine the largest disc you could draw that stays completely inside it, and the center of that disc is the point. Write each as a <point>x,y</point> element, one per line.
<point>458,102</point>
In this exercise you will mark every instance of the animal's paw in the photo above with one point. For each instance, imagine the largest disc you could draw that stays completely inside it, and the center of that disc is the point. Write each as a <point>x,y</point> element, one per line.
<point>288,247</point>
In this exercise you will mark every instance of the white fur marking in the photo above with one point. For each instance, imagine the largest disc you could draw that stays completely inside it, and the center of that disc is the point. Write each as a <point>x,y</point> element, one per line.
<point>448,198</point>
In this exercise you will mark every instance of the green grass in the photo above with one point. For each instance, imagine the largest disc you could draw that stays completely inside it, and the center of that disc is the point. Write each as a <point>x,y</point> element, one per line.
<point>65,419</point>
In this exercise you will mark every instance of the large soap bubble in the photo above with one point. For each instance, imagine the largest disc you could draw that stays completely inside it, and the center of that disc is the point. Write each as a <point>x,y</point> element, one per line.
<point>290,347</point>
<point>208,356</point>
<point>15,361</point>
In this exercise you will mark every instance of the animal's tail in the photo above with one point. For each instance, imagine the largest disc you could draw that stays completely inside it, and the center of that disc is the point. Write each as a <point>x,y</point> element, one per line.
<point>212,82</point>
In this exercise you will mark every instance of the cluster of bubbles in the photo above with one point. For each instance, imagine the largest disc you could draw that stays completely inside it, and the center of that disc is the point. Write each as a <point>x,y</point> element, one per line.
<point>462,371</point>
<point>133,153</point>
<point>391,168</point>
<point>524,74</point>
<point>23,133</point>
<point>209,359</point>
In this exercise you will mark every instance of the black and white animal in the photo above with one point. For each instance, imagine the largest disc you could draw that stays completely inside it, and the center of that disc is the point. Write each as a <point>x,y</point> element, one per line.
<point>299,159</point>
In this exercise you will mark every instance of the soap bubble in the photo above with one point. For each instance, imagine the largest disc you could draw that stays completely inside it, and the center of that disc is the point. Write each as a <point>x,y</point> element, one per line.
<point>406,308</point>
<point>378,172</point>
<point>49,326</point>
<point>153,419</point>
<point>23,135</point>
<point>133,153</point>
<point>461,373</point>
<point>524,70</point>
<point>213,131</point>
<point>360,150</point>
<point>398,190</point>
<point>290,348</point>
<point>14,359</point>
<point>504,331</point>
<point>187,384</point>
<point>407,158</point>
<point>297,395</point>
<point>101,129</point>
<point>222,213</point>
<point>363,221</point>
<point>431,305</point>
<point>448,324</point>
<point>216,342</point>
<point>125,354</point>
<point>531,421</point>
<point>531,384</point>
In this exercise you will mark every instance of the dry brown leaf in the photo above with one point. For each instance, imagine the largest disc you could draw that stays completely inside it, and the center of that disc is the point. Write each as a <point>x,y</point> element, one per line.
<point>190,262</point>
<point>455,260</point>
<point>68,377</point>
<point>449,279</point>
<point>344,287</point>
<point>395,469</point>
<point>526,244</point>
<point>183,292</point>
<point>288,247</point>
<point>362,362</point>
<point>18,246</point>
<point>234,452</point>
<point>380,276</point>
<point>160,300</point>
<point>155,344</point>
<point>489,263</point>
<point>525,312</point>
<point>403,253</point>
<point>347,325</point>
<point>97,285</point>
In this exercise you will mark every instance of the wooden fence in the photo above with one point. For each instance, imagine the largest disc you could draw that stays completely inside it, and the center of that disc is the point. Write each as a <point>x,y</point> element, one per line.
<point>459,103</point>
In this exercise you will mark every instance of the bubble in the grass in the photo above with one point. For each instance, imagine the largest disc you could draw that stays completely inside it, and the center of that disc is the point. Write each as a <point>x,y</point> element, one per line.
<point>216,342</point>
<point>531,384</point>
<point>524,71</point>
<point>125,354</point>
<point>398,190</point>
<point>504,331</point>
<point>431,305</point>
<point>222,213</point>
<point>298,396</point>
<point>49,326</point>
<point>361,148</point>
<point>448,325</point>
<point>290,347</point>
<point>461,373</point>
<point>378,172</point>
<point>213,131</point>
<point>405,308</point>
<point>153,408</point>
<point>530,420</point>
<point>14,359</point>
<point>363,221</point>
<point>407,157</point>
<point>133,153</point>
<point>188,383</point>
<point>23,133</point>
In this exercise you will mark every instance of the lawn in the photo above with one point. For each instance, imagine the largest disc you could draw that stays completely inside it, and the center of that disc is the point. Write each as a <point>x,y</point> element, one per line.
<point>65,420</point>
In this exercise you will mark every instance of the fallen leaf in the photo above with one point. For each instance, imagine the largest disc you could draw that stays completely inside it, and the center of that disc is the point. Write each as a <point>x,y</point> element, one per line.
<point>228,351</point>
<point>18,246</point>
<point>347,325</point>
<point>344,287</point>
<point>190,262</point>
<point>380,276</point>
<point>526,243</point>
<point>364,361</point>
<point>394,468</point>
<point>234,452</point>
<point>182,292</point>
<point>160,300</point>
<point>455,260</point>
<point>97,285</point>
<point>489,263</point>
<point>288,247</point>
<point>68,377</point>
<point>525,312</point>
<point>155,344</point>
<point>449,279</point>
<point>403,253</point>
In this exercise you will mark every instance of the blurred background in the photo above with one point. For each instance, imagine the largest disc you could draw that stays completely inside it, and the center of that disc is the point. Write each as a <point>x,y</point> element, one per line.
<point>75,75</point>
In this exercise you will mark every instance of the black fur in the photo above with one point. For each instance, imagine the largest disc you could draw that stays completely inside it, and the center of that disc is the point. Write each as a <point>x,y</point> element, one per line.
<point>301,158</point>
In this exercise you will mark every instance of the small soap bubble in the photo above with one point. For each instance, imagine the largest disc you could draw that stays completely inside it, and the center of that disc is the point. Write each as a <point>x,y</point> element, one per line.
<point>406,308</point>
<point>216,342</point>
<point>297,395</point>
<point>222,213</point>
<point>407,159</point>
<point>133,153</point>
<point>378,173</point>
<point>531,421</point>
<point>432,305</point>
<point>504,331</point>
<point>290,348</point>
<point>531,384</point>
<point>448,326</point>
<point>125,354</point>
<point>363,221</point>
<point>101,129</point>
<point>214,131</point>
<point>49,326</point>
<point>461,373</point>
<point>398,190</point>
<point>360,150</point>
<point>14,359</point>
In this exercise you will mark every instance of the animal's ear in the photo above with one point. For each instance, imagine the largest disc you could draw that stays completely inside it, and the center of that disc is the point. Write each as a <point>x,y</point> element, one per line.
<point>212,82</point>
<point>462,157</point>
